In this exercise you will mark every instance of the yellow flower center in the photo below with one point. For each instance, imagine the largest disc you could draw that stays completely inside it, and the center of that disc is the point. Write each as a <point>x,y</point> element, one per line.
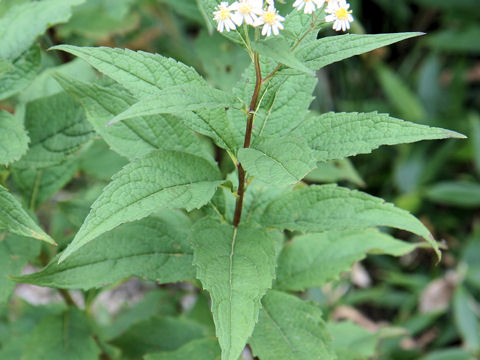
<point>342,14</point>
<point>269,18</point>
<point>224,14</point>
<point>245,9</point>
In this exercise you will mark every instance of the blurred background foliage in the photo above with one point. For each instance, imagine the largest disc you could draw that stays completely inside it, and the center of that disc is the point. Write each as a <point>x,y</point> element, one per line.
<point>408,308</point>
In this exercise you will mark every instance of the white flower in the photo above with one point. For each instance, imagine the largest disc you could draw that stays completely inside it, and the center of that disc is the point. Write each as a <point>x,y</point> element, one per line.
<point>339,14</point>
<point>310,5</point>
<point>223,15</point>
<point>271,20</point>
<point>247,10</point>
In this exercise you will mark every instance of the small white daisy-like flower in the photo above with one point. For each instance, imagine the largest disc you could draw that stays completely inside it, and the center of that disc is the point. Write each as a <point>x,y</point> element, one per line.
<point>308,6</point>
<point>271,20</point>
<point>339,14</point>
<point>223,15</point>
<point>247,10</point>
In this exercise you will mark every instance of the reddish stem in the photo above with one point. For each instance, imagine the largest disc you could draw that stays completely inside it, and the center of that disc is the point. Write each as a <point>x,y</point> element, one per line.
<point>246,143</point>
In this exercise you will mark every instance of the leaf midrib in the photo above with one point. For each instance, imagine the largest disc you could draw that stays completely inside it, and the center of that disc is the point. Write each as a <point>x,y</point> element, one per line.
<point>234,238</point>
<point>280,330</point>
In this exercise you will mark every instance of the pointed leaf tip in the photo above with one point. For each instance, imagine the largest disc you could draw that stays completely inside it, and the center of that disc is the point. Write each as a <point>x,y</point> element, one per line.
<point>47,239</point>
<point>435,246</point>
<point>456,135</point>
<point>17,220</point>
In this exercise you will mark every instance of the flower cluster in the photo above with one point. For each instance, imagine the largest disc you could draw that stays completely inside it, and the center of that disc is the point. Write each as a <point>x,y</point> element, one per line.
<point>256,13</point>
<point>252,12</point>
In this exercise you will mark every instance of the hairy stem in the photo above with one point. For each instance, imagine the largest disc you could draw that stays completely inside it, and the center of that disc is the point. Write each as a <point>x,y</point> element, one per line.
<point>248,138</point>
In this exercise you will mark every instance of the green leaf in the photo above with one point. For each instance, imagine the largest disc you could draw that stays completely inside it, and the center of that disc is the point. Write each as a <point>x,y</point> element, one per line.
<point>15,252</point>
<point>159,302</point>
<point>449,354</point>
<point>18,331</point>
<point>161,180</point>
<point>406,103</point>
<point>158,334</point>
<point>222,60</point>
<point>22,24</point>
<point>316,259</point>
<point>200,312</point>
<point>277,161</point>
<point>75,210</point>
<point>178,99</point>
<point>4,66</point>
<point>57,129</point>
<point>297,24</point>
<point>460,193</point>
<point>257,197</point>
<point>289,328</point>
<point>278,49</point>
<point>99,21</point>
<point>246,84</point>
<point>45,83</point>
<point>236,266</point>
<point>38,185</point>
<point>16,220</point>
<point>334,171</point>
<point>338,135</point>
<point>186,8</point>
<point>21,73</point>
<point>154,248</point>
<point>131,138</point>
<point>328,50</point>
<point>352,342</point>
<point>13,138</point>
<point>328,207</point>
<point>7,4</point>
<point>65,336</point>
<point>466,318</point>
<point>201,349</point>
<point>142,73</point>
<point>284,105</point>
<point>100,162</point>
<point>213,123</point>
